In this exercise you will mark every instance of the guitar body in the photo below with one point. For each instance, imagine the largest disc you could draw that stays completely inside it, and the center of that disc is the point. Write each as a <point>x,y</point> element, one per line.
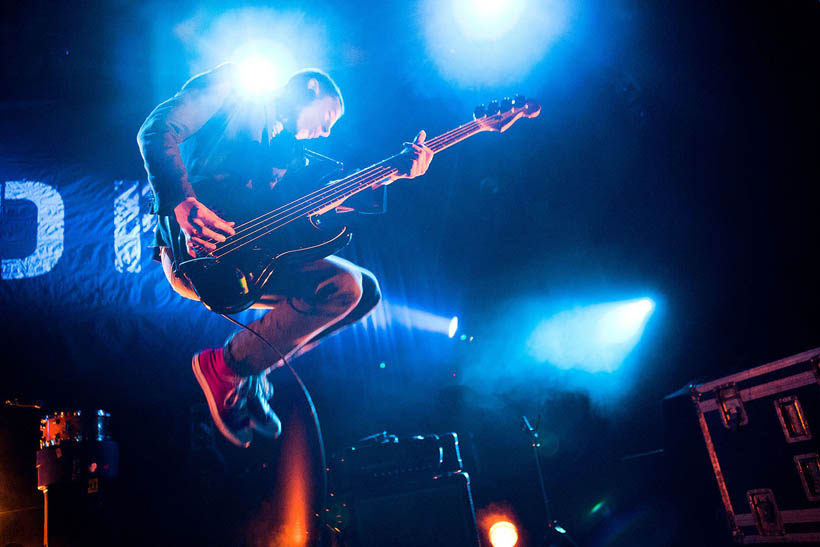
<point>235,281</point>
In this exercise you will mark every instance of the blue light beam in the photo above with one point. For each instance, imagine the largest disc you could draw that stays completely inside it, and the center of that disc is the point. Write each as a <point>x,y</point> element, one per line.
<point>491,42</point>
<point>593,338</point>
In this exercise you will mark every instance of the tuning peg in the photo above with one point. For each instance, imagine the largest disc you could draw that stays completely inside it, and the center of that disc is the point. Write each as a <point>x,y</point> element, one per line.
<point>519,101</point>
<point>479,112</point>
<point>506,104</point>
<point>493,107</point>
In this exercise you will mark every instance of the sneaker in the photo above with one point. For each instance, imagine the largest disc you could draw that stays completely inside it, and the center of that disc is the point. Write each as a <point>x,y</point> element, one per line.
<point>263,419</point>
<point>227,399</point>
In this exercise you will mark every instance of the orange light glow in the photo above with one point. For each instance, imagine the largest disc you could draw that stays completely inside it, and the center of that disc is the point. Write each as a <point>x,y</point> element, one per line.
<point>295,487</point>
<point>285,518</point>
<point>497,524</point>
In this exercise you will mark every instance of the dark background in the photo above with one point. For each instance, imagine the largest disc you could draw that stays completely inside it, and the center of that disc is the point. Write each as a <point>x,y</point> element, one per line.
<point>675,157</point>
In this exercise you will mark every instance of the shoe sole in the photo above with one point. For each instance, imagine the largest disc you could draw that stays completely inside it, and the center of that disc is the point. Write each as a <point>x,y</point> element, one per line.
<point>220,425</point>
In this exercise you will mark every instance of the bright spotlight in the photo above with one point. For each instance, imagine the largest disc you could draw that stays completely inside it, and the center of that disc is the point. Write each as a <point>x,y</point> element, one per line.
<point>491,42</point>
<point>451,331</point>
<point>503,534</point>
<point>487,19</point>
<point>593,338</point>
<point>258,76</point>
<point>268,44</point>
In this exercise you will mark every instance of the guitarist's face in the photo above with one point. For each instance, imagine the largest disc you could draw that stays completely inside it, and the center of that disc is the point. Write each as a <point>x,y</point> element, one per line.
<point>316,119</point>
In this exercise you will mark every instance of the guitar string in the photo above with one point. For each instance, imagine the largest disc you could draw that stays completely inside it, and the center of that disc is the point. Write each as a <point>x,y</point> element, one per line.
<point>284,211</point>
<point>447,138</point>
<point>352,178</point>
<point>343,190</point>
<point>279,223</point>
<point>367,171</point>
<point>363,172</point>
<point>337,191</point>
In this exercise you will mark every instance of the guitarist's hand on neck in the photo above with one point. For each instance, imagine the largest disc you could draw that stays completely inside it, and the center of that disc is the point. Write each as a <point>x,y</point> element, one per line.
<point>414,160</point>
<point>201,226</point>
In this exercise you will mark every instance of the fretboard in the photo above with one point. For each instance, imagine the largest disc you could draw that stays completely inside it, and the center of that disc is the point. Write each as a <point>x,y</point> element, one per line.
<point>333,194</point>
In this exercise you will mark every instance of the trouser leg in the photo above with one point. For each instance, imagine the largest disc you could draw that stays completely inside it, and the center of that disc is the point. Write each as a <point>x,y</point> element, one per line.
<point>305,304</point>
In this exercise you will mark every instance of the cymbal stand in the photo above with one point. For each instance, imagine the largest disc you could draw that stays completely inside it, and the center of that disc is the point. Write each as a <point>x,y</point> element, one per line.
<point>554,530</point>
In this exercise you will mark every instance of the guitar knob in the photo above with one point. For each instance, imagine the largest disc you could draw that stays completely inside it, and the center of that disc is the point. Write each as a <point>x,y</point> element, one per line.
<point>479,112</point>
<point>519,101</point>
<point>506,104</point>
<point>493,108</point>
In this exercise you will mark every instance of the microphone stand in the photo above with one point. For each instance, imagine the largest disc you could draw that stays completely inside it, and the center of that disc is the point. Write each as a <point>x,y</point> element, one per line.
<point>553,528</point>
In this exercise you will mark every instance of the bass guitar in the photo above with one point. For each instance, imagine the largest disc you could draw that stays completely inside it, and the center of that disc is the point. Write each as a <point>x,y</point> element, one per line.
<point>232,277</point>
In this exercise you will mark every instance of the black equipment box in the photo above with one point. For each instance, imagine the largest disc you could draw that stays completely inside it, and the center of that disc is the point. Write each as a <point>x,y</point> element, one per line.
<point>390,492</point>
<point>761,428</point>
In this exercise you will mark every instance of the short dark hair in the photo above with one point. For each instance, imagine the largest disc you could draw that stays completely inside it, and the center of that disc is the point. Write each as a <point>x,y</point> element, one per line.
<point>298,83</point>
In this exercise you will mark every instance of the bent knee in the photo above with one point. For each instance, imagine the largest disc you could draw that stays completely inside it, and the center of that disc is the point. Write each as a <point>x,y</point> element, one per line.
<point>344,289</point>
<point>371,293</point>
<point>337,295</point>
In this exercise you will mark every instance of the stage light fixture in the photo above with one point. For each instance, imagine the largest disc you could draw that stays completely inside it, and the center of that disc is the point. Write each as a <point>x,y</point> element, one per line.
<point>451,331</point>
<point>415,318</point>
<point>503,534</point>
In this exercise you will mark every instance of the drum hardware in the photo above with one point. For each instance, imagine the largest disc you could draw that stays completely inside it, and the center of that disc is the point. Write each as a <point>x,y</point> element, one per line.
<point>74,426</point>
<point>77,462</point>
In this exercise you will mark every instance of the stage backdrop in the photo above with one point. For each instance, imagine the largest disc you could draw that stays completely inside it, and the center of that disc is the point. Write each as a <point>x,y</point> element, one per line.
<point>78,276</point>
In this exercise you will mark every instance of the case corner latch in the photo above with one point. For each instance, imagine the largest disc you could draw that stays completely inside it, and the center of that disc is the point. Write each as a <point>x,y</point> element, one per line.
<point>732,411</point>
<point>767,515</point>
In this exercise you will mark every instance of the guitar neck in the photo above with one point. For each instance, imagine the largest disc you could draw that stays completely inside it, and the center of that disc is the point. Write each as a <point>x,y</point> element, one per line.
<point>333,194</point>
<point>371,176</point>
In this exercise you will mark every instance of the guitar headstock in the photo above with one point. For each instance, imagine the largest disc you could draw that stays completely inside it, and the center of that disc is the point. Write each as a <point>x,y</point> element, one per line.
<point>499,116</point>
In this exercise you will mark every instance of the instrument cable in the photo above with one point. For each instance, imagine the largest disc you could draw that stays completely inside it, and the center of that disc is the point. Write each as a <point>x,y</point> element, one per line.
<point>311,407</point>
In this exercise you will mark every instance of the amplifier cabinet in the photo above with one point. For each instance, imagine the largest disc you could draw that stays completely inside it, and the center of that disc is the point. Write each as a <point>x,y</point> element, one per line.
<point>436,512</point>
<point>761,429</point>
